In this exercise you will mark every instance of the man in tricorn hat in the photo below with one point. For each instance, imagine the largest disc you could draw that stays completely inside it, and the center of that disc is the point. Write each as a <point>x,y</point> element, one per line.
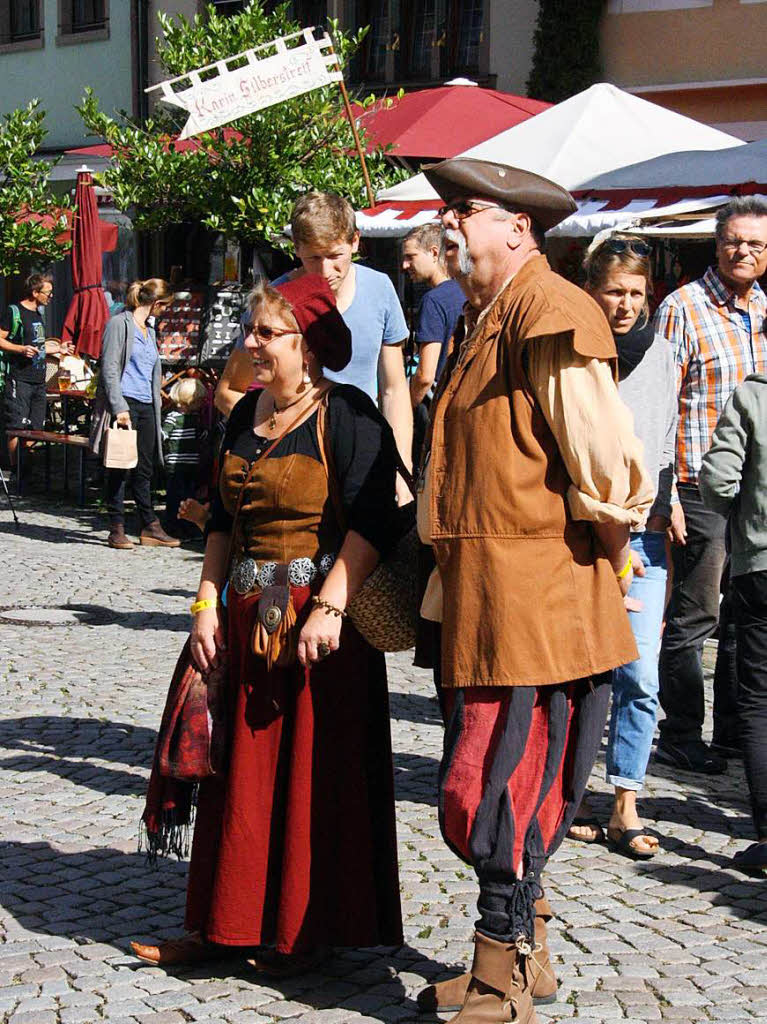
<point>531,483</point>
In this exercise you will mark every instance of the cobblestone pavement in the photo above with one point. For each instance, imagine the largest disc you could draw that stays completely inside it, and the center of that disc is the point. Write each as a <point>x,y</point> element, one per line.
<point>682,938</point>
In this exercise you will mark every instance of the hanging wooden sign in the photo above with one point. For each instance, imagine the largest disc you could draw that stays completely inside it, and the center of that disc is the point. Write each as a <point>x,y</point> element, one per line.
<point>242,84</point>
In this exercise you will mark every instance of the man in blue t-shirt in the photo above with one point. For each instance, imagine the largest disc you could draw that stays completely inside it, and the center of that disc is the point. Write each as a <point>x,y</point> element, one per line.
<point>325,238</point>
<point>436,318</point>
<point>439,309</point>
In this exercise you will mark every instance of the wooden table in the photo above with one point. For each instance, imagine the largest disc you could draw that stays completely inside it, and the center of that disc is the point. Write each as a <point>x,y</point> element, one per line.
<point>49,437</point>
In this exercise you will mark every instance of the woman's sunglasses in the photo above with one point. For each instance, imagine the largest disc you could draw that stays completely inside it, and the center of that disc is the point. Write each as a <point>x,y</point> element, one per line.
<point>264,332</point>
<point>618,245</point>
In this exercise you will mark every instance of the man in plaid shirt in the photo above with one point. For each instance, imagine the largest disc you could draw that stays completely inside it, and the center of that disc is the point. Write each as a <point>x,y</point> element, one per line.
<point>717,327</point>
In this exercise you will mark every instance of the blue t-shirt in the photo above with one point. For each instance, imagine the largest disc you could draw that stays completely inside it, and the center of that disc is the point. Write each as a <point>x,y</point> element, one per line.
<point>437,316</point>
<point>375,318</point>
<point>136,380</point>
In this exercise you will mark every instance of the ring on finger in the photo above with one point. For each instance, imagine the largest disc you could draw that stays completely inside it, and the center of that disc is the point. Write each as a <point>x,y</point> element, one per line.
<point>323,649</point>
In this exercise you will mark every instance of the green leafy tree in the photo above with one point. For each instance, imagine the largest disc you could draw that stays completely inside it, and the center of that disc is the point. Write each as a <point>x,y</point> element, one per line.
<point>566,58</point>
<point>25,194</point>
<point>242,179</point>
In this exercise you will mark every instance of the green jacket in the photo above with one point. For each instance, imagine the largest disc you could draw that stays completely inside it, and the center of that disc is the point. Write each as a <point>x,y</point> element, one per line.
<point>733,477</point>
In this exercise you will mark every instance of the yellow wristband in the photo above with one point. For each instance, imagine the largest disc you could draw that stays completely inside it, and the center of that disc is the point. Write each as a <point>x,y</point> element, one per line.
<point>625,570</point>
<point>200,606</point>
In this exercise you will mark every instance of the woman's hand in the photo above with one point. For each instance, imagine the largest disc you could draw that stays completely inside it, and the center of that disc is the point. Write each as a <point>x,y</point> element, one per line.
<point>207,640</point>
<point>321,627</point>
<point>123,420</point>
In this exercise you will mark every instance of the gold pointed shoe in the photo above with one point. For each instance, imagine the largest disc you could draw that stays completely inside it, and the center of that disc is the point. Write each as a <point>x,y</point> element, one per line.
<point>188,950</point>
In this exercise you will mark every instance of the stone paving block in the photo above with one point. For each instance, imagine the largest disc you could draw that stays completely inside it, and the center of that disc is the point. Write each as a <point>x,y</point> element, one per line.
<point>33,1017</point>
<point>164,1017</point>
<point>79,1015</point>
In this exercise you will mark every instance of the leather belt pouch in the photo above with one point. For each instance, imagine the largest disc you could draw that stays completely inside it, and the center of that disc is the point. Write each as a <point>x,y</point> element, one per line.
<point>275,636</point>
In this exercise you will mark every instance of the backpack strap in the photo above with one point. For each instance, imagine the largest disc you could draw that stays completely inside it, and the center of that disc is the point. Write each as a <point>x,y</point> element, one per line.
<point>16,325</point>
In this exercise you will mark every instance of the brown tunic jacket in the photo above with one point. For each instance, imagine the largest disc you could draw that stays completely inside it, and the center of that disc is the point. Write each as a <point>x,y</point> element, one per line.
<point>528,598</point>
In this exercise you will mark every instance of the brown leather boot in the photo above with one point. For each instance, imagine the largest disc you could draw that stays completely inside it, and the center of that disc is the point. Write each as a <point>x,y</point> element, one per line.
<point>118,539</point>
<point>498,991</point>
<point>543,980</point>
<point>448,995</point>
<point>154,536</point>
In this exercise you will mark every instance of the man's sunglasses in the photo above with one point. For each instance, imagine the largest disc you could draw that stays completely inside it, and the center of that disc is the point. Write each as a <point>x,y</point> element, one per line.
<point>463,208</point>
<point>618,245</point>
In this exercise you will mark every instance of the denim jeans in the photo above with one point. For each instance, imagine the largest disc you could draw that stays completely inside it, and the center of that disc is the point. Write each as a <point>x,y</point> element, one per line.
<point>635,686</point>
<point>692,616</point>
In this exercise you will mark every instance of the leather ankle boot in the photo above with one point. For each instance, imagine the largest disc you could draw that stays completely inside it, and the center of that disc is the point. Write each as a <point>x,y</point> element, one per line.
<point>118,539</point>
<point>154,536</point>
<point>498,991</point>
<point>448,995</point>
<point>543,980</point>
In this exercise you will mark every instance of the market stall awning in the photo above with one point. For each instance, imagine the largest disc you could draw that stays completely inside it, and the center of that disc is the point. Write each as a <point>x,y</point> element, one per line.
<point>723,170</point>
<point>104,151</point>
<point>393,220</point>
<point>63,219</point>
<point>439,123</point>
<point>596,131</point>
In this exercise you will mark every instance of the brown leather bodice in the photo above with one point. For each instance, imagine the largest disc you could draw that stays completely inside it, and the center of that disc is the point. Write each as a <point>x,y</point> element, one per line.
<point>285,511</point>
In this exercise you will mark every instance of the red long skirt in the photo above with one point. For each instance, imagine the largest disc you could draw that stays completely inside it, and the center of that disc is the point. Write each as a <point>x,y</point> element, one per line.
<point>296,847</point>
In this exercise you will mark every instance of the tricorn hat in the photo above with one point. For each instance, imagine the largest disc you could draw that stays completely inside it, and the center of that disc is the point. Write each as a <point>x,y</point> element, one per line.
<point>324,330</point>
<point>545,201</point>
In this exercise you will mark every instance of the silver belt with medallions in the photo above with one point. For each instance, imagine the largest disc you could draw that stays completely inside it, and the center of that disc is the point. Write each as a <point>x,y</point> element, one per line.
<point>247,574</point>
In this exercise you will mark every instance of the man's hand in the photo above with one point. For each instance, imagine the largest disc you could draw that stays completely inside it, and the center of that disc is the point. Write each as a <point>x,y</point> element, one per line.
<point>123,420</point>
<point>28,351</point>
<point>677,531</point>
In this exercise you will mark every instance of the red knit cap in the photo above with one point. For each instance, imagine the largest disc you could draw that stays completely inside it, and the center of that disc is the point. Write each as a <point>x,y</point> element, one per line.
<point>314,307</point>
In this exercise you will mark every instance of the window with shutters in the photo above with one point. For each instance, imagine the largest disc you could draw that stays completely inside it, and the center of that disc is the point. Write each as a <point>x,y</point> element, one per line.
<point>83,21</point>
<point>21,25</point>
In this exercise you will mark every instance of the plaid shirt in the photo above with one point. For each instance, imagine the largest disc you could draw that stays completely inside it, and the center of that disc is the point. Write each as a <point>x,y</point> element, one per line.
<point>716,346</point>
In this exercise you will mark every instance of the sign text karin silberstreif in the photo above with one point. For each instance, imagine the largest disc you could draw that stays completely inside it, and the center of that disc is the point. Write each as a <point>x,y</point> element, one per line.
<point>253,84</point>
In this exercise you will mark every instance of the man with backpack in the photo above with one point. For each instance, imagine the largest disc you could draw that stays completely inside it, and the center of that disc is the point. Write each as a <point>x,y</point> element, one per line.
<point>22,340</point>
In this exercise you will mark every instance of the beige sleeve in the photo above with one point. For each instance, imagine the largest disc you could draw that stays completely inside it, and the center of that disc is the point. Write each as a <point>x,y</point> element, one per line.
<point>594,431</point>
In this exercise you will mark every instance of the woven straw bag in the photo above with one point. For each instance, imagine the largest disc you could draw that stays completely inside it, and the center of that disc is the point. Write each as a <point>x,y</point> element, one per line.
<point>385,608</point>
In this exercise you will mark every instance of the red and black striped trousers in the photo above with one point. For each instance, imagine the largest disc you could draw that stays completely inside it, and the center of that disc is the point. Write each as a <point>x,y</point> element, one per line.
<point>514,769</point>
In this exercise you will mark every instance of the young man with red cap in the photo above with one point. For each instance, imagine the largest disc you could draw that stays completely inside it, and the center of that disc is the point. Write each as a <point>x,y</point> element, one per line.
<point>532,479</point>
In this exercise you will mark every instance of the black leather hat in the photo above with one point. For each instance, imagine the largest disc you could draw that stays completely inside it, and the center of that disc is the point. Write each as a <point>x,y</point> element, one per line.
<point>545,201</point>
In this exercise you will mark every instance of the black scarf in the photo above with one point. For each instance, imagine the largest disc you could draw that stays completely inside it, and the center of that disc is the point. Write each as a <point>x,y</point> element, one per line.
<point>632,347</point>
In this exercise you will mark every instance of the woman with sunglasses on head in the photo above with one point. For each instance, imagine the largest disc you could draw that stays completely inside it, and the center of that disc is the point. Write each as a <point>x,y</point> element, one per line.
<point>128,394</point>
<point>295,849</point>
<point>618,277</point>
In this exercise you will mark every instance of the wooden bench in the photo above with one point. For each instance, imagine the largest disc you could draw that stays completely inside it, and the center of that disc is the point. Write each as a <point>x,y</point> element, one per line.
<point>48,437</point>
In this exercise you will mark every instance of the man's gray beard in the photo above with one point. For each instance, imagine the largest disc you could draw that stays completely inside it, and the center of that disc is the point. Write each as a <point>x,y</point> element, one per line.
<point>465,262</point>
